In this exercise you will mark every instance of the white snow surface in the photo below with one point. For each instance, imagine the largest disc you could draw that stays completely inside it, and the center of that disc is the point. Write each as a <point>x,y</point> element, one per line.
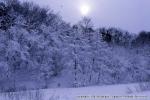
<point>110,92</point>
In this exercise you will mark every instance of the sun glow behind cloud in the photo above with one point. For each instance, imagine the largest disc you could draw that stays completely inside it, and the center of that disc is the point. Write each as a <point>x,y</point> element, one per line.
<point>85,9</point>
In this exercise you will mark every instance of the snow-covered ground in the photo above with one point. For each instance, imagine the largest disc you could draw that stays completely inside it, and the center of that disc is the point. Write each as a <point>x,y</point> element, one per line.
<point>112,92</point>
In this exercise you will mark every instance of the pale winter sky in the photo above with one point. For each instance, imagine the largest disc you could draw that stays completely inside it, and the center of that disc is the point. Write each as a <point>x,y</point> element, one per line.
<point>131,15</point>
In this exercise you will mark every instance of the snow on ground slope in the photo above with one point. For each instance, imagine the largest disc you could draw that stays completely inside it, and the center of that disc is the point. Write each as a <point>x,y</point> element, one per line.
<point>112,92</point>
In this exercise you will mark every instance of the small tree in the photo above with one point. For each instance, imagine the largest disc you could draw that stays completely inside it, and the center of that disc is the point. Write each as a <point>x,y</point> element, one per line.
<point>86,25</point>
<point>105,35</point>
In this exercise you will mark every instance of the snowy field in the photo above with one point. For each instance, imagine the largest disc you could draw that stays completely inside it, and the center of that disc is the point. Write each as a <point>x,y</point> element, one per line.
<point>112,92</point>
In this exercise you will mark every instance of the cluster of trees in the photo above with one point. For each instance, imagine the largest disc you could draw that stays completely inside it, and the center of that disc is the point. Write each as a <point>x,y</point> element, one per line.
<point>116,36</point>
<point>124,38</point>
<point>37,46</point>
<point>27,43</point>
<point>5,18</point>
<point>143,38</point>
